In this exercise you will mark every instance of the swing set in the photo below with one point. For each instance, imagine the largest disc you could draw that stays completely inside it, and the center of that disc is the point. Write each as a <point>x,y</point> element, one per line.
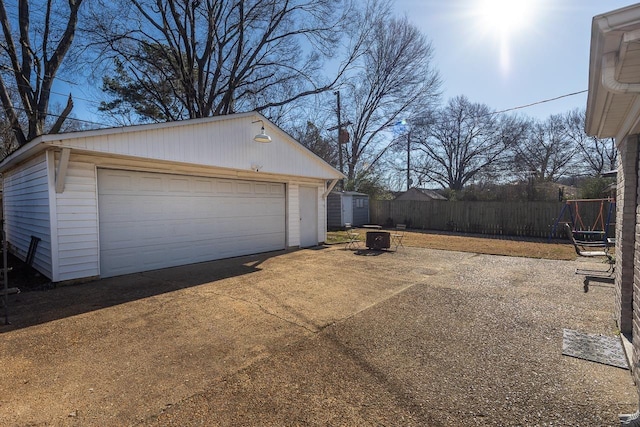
<point>585,225</point>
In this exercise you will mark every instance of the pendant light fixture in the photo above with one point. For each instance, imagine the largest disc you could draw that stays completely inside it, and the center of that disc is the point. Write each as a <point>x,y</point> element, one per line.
<point>262,137</point>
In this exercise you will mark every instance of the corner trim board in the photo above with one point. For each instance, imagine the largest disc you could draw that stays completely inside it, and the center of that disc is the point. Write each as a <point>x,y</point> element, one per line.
<point>61,172</point>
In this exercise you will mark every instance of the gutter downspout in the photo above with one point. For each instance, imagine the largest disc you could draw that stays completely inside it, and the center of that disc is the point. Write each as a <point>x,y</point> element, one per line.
<point>609,66</point>
<point>611,83</point>
<point>609,80</point>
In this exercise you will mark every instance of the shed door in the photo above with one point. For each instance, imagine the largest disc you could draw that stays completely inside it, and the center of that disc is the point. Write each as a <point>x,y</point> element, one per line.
<point>151,220</point>
<point>347,209</point>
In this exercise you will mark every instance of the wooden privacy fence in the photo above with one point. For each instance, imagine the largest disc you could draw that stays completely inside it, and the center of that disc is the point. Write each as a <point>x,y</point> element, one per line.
<point>530,219</point>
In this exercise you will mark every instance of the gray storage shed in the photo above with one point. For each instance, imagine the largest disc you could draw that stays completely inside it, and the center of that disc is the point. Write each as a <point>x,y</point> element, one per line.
<point>347,207</point>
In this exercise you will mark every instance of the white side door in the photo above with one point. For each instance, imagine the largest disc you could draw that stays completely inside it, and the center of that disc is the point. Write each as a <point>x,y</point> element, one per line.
<point>308,216</point>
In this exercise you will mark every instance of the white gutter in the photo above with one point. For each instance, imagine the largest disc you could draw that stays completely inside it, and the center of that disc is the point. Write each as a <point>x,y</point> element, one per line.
<point>22,153</point>
<point>609,80</point>
<point>607,35</point>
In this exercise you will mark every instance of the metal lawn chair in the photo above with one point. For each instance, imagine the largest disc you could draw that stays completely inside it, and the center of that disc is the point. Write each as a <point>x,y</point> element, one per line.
<point>353,237</point>
<point>398,236</point>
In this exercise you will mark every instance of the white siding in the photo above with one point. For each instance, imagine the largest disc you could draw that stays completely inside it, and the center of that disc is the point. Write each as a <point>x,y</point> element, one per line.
<point>322,216</point>
<point>224,143</point>
<point>293,212</point>
<point>26,210</point>
<point>77,223</point>
<point>68,222</point>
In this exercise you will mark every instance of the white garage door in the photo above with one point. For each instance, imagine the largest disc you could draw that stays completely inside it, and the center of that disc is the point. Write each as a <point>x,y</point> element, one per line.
<point>152,220</point>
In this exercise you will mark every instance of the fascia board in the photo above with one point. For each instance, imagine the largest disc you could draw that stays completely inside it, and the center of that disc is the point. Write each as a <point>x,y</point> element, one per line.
<point>607,31</point>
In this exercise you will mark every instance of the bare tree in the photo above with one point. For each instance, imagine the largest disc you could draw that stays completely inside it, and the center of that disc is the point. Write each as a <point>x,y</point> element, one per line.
<point>465,140</point>
<point>311,137</point>
<point>547,153</point>
<point>34,53</point>
<point>179,59</point>
<point>597,155</point>
<point>7,138</point>
<point>397,80</point>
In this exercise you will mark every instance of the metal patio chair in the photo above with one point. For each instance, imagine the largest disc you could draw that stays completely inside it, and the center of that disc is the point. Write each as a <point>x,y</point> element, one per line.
<point>353,237</point>
<point>398,236</point>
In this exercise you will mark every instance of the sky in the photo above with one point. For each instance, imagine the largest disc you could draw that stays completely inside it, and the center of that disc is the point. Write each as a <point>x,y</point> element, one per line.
<point>502,53</point>
<point>510,53</point>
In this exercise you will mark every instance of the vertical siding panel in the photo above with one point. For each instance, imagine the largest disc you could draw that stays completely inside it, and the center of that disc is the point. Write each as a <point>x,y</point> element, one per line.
<point>293,214</point>
<point>226,143</point>
<point>77,223</point>
<point>334,210</point>
<point>51,168</point>
<point>26,209</point>
<point>321,214</point>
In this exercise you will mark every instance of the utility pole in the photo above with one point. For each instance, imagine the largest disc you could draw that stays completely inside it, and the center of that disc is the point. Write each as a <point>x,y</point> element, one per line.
<point>409,160</point>
<point>343,136</point>
<point>337,94</point>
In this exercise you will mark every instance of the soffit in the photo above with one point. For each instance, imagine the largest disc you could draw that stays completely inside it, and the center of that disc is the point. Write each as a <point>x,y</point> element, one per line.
<point>609,112</point>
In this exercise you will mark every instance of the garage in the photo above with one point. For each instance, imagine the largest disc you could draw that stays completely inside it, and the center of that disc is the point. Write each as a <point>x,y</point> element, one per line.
<point>115,201</point>
<point>153,220</point>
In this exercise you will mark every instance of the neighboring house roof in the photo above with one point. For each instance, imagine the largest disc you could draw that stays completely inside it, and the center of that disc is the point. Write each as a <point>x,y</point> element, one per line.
<point>420,194</point>
<point>613,104</point>
<point>204,142</point>
<point>349,193</point>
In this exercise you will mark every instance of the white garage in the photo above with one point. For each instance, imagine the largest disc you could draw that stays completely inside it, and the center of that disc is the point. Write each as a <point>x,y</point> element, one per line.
<point>125,200</point>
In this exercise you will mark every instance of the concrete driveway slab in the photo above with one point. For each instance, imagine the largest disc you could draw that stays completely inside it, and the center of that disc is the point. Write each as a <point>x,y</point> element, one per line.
<point>314,337</point>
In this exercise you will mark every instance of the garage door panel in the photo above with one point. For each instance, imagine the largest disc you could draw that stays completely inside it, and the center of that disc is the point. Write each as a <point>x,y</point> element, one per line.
<point>261,189</point>
<point>153,184</point>
<point>179,185</point>
<point>117,180</point>
<point>150,220</point>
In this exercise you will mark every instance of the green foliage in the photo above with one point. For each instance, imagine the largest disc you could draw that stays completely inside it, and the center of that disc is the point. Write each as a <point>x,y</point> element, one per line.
<point>374,188</point>
<point>369,182</point>
<point>154,98</point>
<point>521,191</point>
<point>452,195</point>
<point>311,138</point>
<point>595,188</point>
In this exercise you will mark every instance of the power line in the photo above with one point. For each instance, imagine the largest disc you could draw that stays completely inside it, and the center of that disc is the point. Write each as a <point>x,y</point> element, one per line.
<point>67,118</point>
<point>538,102</point>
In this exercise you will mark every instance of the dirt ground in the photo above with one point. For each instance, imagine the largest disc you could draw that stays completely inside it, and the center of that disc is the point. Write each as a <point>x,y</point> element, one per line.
<point>315,337</point>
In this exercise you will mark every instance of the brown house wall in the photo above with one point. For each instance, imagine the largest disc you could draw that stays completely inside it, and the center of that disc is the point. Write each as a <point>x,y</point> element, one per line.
<point>628,249</point>
<point>626,233</point>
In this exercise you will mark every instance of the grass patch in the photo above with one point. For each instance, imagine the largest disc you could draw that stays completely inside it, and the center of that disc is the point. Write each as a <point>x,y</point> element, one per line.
<point>481,245</point>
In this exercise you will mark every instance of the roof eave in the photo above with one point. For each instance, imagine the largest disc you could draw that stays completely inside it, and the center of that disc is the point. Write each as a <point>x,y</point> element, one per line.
<point>606,35</point>
<point>23,153</point>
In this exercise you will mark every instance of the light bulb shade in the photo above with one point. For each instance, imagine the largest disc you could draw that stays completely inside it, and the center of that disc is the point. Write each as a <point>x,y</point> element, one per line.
<point>262,137</point>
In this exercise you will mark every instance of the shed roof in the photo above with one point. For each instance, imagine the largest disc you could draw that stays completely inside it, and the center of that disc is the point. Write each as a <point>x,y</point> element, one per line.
<point>221,141</point>
<point>350,193</point>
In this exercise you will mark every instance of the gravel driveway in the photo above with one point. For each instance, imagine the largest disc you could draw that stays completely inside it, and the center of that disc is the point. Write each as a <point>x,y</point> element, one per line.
<point>315,337</point>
